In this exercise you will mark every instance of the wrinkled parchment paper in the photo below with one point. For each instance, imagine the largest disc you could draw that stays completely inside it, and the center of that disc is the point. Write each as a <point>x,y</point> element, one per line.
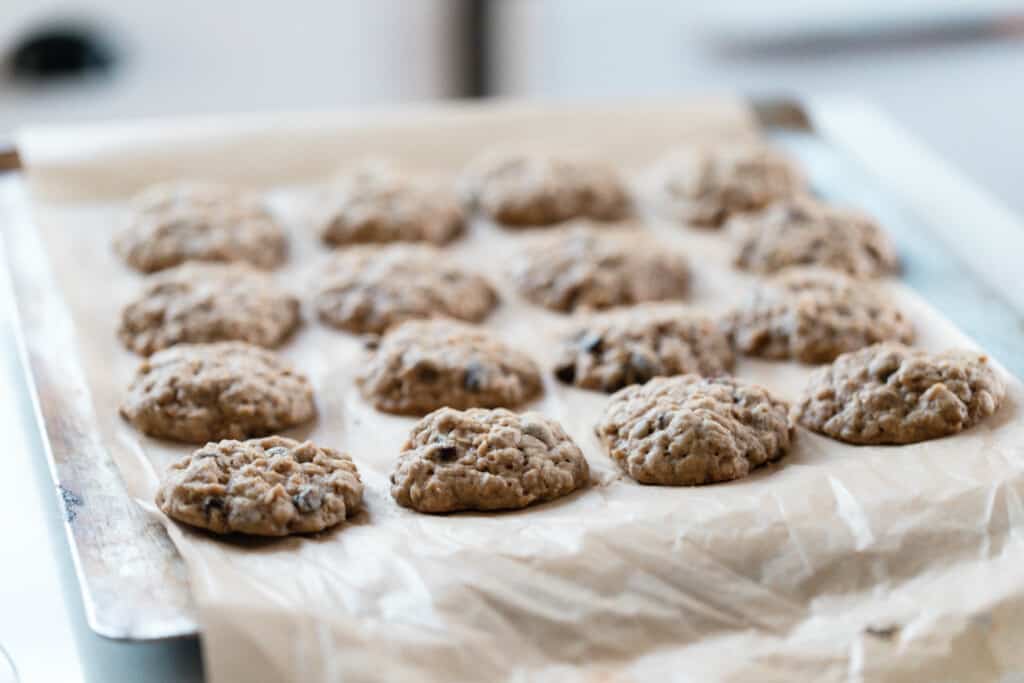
<point>838,563</point>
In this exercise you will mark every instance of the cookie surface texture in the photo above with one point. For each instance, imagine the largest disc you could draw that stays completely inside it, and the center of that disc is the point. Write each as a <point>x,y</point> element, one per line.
<point>368,289</point>
<point>704,185</point>
<point>522,189</point>
<point>805,232</point>
<point>483,459</point>
<point>813,315</point>
<point>265,487</point>
<point>207,302</point>
<point>894,394</point>
<point>420,366</point>
<point>688,430</point>
<point>610,350</point>
<point>207,392</point>
<point>379,205</point>
<point>590,269</point>
<point>176,222</point>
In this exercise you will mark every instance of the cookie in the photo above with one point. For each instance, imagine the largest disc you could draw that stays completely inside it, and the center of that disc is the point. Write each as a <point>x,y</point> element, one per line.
<point>803,231</point>
<point>813,314</point>
<point>376,205</point>
<point>368,289</point>
<point>207,302</point>
<point>482,459</point>
<point>587,269</point>
<point>206,392</point>
<point>178,222</point>
<point>703,185</point>
<point>610,350</point>
<point>422,365</point>
<point>263,487</point>
<point>893,394</point>
<point>522,189</point>
<point>687,430</point>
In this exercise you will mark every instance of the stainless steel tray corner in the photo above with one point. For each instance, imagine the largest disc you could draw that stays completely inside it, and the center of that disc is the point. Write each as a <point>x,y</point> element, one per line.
<point>133,582</point>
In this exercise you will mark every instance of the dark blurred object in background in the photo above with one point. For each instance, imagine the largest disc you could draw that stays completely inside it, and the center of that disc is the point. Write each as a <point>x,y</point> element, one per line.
<point>60,50</point>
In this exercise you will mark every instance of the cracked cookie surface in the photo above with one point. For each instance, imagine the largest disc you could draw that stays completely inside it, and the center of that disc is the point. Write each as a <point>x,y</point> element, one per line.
<point>607,351</point>
<point>805,232</point>
<point>586,269</point>
<point>265,487</point>
<point>482,459</point>
<point>522,189</point>
<point>367,289</point>
<point>704,185</point>
<point>422,365</point>
<point>813,315</point>
<point>894,394</point>
<point>689,430</point>
<point>226,390</point>
<point>187,221</point>
<point>207,302</point>
<point>378,205</point>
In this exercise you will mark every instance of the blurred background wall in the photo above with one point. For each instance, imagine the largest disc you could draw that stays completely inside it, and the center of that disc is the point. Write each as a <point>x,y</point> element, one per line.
<point>198,56</point>
<point>951,70</point>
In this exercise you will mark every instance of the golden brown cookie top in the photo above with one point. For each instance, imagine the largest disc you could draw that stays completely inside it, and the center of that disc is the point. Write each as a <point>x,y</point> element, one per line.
<point>368,289</point>
<point>532,188</point>
<point>802,231</point>
<point>706,184</point>
<point>226,390</point>
<point>423,365</point>
<point>813,314</point>
<point>380,204</point>
<point>687,430</point>
<point>265,487</point>
<point>895,394</point>
<point>483,459</point>
<point>584,268</point>
<point>176,222</point>
<point>207,302</point>
<point>609,350</point>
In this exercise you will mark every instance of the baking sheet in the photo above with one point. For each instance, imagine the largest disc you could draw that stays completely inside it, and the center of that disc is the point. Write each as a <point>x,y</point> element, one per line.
<point>838,563</point>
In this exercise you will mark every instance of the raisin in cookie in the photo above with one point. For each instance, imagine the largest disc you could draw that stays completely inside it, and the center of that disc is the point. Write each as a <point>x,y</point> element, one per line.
<point>375,205</point>
<point>422,365</point>
<point>482,459</point>
<point>521,189</point>
<point>704,185</point>
<point>263,487</point>
<point>892,394</point>
<point>206,392</point>
<point>688,430</point>
<point>813,314</point>
<point>610,350</point>
<point>207,302</point>
<point>587,269</point>
<point>803,231</point>
<point>368,289</point>
<point>178,222</point>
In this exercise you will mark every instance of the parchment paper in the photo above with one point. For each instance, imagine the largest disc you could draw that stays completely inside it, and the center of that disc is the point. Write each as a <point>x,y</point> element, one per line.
<point>838,563</point>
